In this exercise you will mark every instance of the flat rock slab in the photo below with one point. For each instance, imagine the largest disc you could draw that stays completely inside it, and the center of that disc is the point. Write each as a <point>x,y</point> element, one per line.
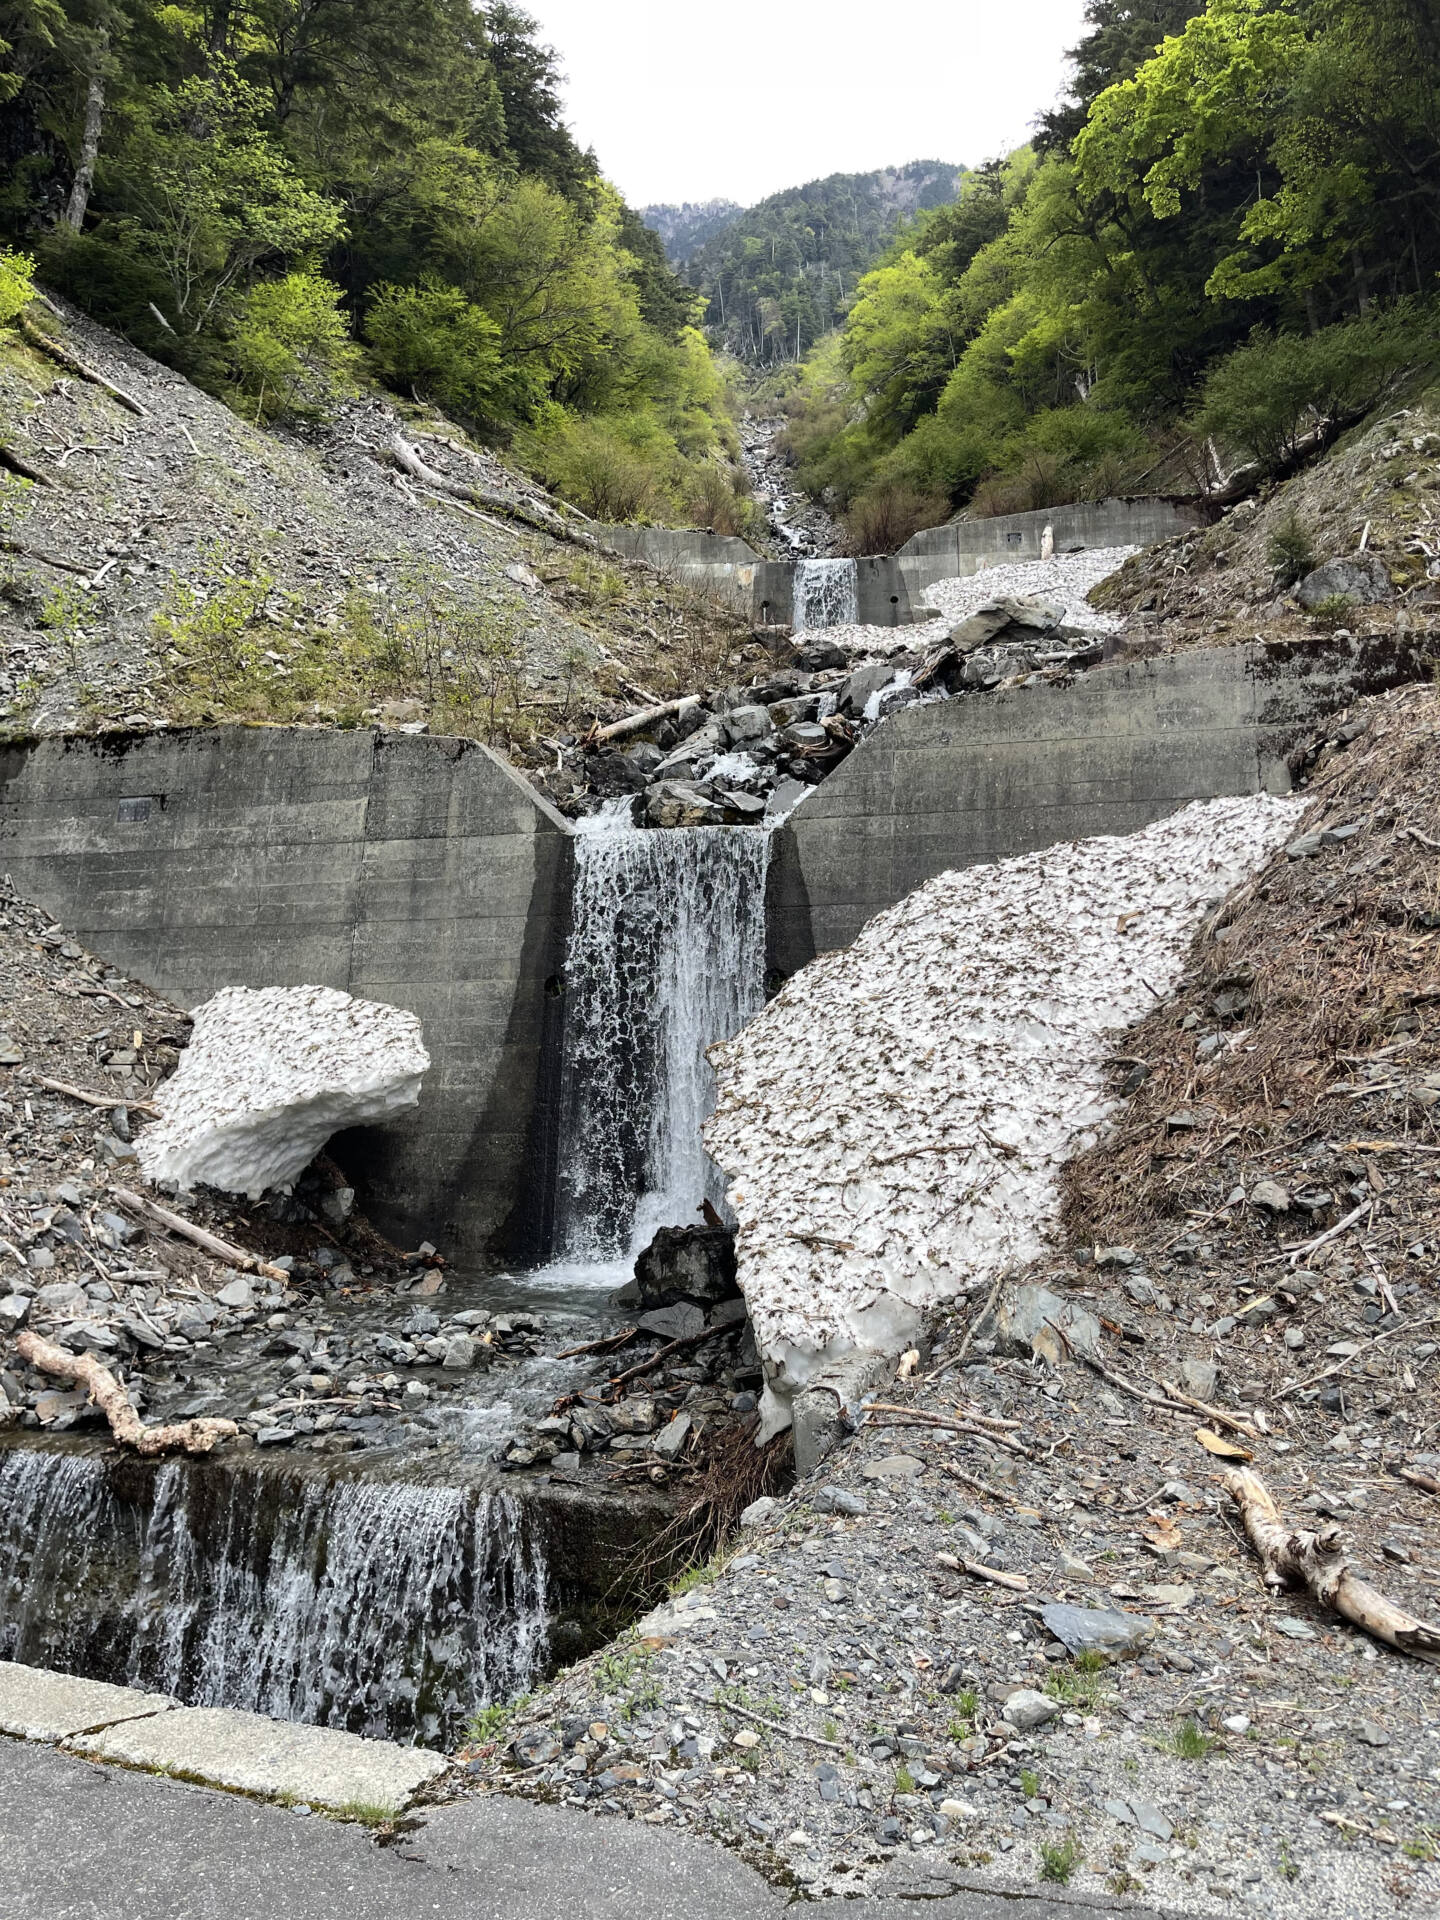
<point>39,1705</point>
<point>251,1754</point>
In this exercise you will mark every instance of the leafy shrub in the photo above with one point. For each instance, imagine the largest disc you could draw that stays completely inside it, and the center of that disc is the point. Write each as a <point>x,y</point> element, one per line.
<point>432,340</point>
<point>1059,1859</point>
<point>17,271</point>
<point>1268,395</point>
<point>593,464</point>
<point>1290,551</point>
<point>715,497</point>
<point>1330,612</point>
<point>884,517</point>
<point>291,345</point>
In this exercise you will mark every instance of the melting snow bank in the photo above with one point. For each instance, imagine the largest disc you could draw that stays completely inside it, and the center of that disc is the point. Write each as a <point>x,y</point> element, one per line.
<point>269,1075</point>
<point>894,1123</point>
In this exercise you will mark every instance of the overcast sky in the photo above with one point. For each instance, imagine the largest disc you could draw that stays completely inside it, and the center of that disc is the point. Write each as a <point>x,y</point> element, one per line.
<point>687,101</point>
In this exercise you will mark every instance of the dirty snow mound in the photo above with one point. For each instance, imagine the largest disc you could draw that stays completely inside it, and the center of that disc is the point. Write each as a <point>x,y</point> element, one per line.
<point>1064,581</point>
<point>269,1075</point>
<point>894,1123</point>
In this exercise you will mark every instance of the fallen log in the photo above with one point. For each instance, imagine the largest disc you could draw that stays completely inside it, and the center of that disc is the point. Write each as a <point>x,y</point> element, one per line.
<point>15,462</point>
<point>72,363</point>
<point>106,1392</point>
<point>211,1242</point>
<point>1300,1557</point>
<point>543,519</point>
<point>634,722</point>
<point>44,556</point>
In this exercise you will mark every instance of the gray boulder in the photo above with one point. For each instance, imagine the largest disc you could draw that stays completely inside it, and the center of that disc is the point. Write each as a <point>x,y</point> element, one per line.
<point>685,1263</point>
<point>1102,1630</point>
<point>1024,1320</point>
<point>1362,577</point>
<point>743,724</point>
<point>1019,617</point>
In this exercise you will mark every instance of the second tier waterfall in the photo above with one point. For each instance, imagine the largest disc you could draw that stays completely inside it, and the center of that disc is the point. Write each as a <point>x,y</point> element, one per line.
<point>826,594</point>
<point>666,956</point>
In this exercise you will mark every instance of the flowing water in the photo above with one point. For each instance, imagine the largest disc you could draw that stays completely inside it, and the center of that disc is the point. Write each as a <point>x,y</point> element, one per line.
<point>826,594</point>
<point>666,956</point>
<point>387,1609</point>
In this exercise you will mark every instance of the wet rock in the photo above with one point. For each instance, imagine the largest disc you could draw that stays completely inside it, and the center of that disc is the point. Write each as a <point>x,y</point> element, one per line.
<point>818,656</point>
<point>459,1355</point>
<point>674,803</point>
<point>679,1322</point>
<point>686,1263</point>
<point>672,1437</point>
<point>237,1294</point>
<point>1099,1630</point>
<point>743,724</point>
<point>634,1416</point>
<point>537,1748</point>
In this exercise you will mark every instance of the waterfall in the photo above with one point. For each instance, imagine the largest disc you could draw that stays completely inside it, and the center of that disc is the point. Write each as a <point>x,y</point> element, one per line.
<point>826,594</point>
<point>666,956</point>
<point>383,1608</point>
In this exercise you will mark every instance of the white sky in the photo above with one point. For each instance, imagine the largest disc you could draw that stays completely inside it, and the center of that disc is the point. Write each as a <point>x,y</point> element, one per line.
<point>687,101</point>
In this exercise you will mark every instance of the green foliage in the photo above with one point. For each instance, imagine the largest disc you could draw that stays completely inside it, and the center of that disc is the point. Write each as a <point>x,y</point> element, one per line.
<point>290,347</point>
<point>1266,397</point>
<point>1332,611</point>
<point>1290,551</point>
<point>1029,1783</point>
<point>431,340</point>
<point>1059,1859</point>
<point>904,1779</point>
<point>17,272</point>
<point>1187,1742</point>
<point>487,1725</point>
<point>1077,1685</point>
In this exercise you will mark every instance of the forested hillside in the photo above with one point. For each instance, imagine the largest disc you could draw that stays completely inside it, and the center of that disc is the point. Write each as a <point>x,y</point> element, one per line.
<point>274,195</point>
<point>779,276</point>
<point>1222,249</point>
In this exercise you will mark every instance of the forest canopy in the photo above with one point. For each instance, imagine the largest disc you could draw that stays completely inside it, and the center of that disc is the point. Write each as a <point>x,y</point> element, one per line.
<point>1223,246</point>
<point>261,192</point>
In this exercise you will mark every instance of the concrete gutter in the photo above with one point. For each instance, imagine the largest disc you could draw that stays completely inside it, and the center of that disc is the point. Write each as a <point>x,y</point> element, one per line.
<point>216,1746</point>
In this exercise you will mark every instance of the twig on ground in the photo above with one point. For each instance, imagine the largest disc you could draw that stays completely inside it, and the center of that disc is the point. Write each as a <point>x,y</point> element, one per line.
<point>108,1100</point>
<point>957,1563</point>
<point>607,1345</point>
<point>774,1726</point>
<point>1217,1414</point>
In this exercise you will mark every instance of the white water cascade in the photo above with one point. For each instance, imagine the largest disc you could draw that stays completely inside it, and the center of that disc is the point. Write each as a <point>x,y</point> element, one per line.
<point>826,594</point>
<point>666,956</point>
<point>381,1607</point>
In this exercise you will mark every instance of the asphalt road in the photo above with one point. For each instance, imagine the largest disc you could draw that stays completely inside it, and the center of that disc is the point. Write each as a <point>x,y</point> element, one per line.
<point>79,1841</point>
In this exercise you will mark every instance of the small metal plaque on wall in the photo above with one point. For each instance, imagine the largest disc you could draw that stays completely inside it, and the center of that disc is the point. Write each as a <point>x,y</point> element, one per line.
<point>137,809</point>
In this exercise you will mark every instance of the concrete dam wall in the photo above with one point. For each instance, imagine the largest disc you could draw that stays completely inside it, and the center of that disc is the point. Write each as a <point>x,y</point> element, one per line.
<point>889,587</point>
<point>426,873</point>
<point>421,872</point>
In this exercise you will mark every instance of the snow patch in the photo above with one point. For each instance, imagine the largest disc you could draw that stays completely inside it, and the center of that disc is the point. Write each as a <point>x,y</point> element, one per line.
<point>894,1123</point>
<point>269,1076</point>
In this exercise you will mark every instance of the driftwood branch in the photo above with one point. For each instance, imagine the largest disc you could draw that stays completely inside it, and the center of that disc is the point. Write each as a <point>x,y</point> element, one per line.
<point>212,1243</point>
<point>1217,1414</point>
<point>636,722</point>
<point>72,363</point>
<point>22,552</point>
<point>649,1366</point>
<point>1300,1557</point>
<point>106,1392</point>
<point>977,1569</point>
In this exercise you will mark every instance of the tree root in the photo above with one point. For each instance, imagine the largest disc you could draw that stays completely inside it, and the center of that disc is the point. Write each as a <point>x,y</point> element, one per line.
<point>106,1392</point>
<point>1316,1561</point>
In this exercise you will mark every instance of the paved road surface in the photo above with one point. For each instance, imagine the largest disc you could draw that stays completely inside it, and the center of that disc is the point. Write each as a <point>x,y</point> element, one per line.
<point>80,1841</point>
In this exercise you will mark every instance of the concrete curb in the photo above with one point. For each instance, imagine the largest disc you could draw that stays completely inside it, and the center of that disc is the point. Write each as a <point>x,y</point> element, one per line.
<point>215,1746</point>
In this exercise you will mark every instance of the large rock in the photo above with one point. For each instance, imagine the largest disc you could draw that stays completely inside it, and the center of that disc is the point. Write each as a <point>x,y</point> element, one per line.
<point>269,1076</point>
<point>1018,617</point>
<point>674,803</point>
<point>1362,578</point>
<point>1025,1319</point>
<point>685,1263</point>
<point>1103,1630</point>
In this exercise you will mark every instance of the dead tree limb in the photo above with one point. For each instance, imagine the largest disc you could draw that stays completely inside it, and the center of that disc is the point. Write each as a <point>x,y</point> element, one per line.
<point>211,1242</point>
<point>15,462</point>
<point>72,363</point>
<point>22,552</point>
<point>530,513</point>
<point>977,1569</point>
<point>635,722</point>
<point>107,1100</point>
<point>106,1392</point>
<point>1300,1557</point>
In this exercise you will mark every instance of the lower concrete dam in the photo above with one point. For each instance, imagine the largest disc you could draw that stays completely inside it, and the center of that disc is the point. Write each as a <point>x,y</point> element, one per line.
<point>426,873</point>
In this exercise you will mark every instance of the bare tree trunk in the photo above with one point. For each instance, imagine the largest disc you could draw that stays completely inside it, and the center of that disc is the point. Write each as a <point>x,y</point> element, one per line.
<point>89,141</point>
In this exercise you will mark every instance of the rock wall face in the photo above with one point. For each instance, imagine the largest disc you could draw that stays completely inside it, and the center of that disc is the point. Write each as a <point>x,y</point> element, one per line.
<point>985,777</point>
<point>423,873</point>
